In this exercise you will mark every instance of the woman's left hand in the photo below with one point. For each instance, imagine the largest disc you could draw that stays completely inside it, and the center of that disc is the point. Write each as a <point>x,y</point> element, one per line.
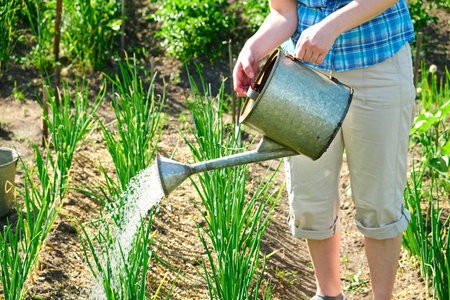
<point>314,43</point>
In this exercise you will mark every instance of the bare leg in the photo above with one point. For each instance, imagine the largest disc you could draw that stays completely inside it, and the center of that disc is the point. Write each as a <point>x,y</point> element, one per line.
<point>325,258</point>
<point>382,256</point>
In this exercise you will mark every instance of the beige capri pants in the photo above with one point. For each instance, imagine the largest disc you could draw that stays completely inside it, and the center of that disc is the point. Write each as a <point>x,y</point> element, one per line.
<point>375,135</point>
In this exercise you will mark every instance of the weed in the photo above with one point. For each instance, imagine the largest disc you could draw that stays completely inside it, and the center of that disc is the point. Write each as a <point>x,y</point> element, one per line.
<point>284,276</point>
<point>17,94</point>
<point>355,283</point>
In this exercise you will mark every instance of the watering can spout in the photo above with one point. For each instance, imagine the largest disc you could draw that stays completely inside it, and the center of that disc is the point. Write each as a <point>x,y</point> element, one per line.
<point>172,173</point>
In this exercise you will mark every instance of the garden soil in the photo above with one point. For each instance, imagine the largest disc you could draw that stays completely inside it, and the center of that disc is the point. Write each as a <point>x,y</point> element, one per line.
<point>62,271</point>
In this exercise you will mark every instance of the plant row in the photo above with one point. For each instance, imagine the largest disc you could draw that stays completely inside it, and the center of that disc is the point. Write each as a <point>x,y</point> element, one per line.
<point>118,244</point>
<point>427,193</point>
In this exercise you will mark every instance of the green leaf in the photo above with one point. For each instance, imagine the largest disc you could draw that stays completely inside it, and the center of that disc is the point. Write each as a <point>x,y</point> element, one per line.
<point>422,123</point>
<point>115,25</point>
<point>439,164</point>
<point>445,109</point>
<point>445,150</point>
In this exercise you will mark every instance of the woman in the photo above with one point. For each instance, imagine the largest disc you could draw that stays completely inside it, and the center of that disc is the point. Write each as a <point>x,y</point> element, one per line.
<point>366,45</point>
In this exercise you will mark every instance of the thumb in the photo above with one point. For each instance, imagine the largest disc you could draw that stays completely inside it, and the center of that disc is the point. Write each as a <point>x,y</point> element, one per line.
<point>248,69</point>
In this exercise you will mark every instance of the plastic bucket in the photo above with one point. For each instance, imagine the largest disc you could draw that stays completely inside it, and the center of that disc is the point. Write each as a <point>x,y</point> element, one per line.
<point>8,163</point>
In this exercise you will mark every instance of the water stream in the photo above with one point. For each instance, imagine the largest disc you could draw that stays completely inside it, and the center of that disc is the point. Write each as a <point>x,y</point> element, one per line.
<point>143,192</point>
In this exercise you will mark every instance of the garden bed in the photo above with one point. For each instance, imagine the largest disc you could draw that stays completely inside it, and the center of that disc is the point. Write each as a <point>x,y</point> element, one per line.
<point>62,271</point>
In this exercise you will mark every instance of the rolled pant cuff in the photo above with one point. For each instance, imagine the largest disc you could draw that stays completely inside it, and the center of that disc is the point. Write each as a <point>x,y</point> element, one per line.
<point>387,231</point>
<point>314,234</point>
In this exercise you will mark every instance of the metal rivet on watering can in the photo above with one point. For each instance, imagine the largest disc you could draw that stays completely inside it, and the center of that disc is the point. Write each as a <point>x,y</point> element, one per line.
<point>8,163</point>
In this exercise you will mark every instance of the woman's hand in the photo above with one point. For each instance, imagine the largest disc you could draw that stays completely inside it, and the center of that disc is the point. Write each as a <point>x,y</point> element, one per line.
<point>278,26</point>
<point>314,43</point>
<point>244,72</point>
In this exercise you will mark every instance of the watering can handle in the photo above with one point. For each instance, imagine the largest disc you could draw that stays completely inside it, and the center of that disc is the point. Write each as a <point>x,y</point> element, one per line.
<point>252,94</point>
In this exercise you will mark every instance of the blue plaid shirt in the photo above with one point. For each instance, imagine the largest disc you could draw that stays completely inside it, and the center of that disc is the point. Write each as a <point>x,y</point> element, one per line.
<point>365,45</point>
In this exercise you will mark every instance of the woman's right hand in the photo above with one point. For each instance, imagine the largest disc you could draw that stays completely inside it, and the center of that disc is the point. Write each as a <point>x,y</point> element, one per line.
<point>245,71</point>
<point>278,26</point>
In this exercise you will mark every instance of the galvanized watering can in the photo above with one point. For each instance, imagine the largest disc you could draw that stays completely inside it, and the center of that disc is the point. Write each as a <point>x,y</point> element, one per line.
<point>297,110</point>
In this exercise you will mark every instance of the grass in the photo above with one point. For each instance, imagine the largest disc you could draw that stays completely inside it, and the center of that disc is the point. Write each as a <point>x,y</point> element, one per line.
<point>237,214</point>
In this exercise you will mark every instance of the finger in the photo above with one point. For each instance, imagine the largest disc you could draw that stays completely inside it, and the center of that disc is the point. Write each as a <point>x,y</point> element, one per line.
<point>315,58</point>
<point>248,69</point>
<point>302,51</point>
<point>299,51</point>
<point>320,59</point>
<point>307,56</point>
<point>241,87</point>
<point>237,74</point>
<point>241,90</point>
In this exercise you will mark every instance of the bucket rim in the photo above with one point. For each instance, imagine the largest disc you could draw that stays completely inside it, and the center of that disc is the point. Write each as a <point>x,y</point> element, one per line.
<point>15,156</point>
<point>276,54</point>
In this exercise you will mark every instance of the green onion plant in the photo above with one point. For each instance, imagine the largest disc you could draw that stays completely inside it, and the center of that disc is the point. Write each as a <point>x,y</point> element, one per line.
<point>427,235</point>
<point>88,31</point>
<point>70,123</point>
<point>432,92</point>
<point>236,214</point>
<point>133,143</point>
<point>20,244</point>
<point>44,188</point>
<point>130,283</point>
<point>428,186</point>
<point>41,16</point>
<point>131,140</point>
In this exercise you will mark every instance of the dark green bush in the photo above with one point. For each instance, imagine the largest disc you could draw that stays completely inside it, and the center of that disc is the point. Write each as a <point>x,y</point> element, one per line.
<point>255,12</point>
<point>191,28</point>
<point>420,15</point>
<point>8,20</point>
